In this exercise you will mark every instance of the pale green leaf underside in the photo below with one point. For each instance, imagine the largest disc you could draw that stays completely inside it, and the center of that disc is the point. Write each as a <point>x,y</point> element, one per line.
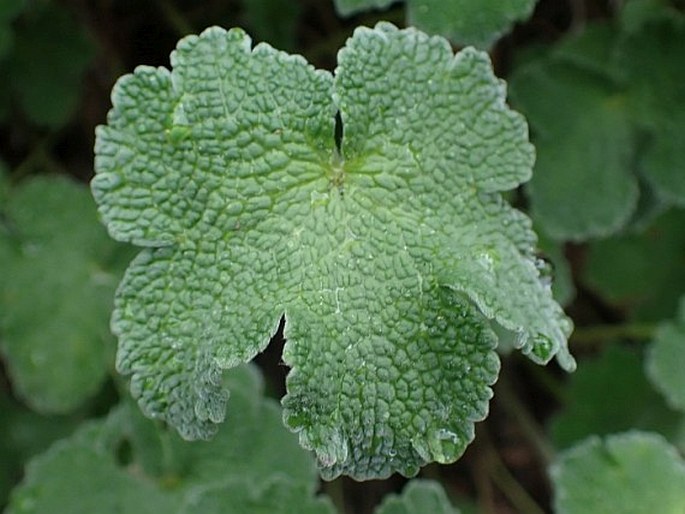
<point>418,497</point>
<point>383,259</point>
<point>630,473</point>
<point>465,22</point>
<point>251,467</point>
<point>666,359</point>
<point>56,293</point>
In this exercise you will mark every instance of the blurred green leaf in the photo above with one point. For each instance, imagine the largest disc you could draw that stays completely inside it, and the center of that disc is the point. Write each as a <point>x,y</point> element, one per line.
<point>56,294</point>
<point>583,184</point>
<point>4,186</point>
<point>418,497</point>
<point>652,62</point>
<point>253,444</point>
<point>650,206</point>
<point>600,103</point>
<point>273,21</point>
<point>468,22</point>
<point>592,49</point>
<point>23,434</point>
<point>349,7</point>
<point>635,14</point>
<point>275,496</point>
<point>46,66</point>
<point>666,359</point>
<point>75,477</point>
<point>608,394</point>
<point>9,9</point>
<point>630,473</point>
<point>465,22</point>
<point>128,465</point>
<point>641,273</point>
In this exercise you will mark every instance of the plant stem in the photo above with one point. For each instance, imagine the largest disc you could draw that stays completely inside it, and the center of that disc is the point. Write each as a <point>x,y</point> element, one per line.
<point>484,489</point>
<point>543,377</point>
<point>507,483</point>
<point>517,410</point>
<point>596,334</point>
<point>495,468</point>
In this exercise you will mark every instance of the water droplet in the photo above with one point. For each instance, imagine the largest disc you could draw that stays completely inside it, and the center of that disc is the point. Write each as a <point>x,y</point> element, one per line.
<point>444,445</point>
<point>545,271</point>
<point>543,346</point>
<point>486,261</point>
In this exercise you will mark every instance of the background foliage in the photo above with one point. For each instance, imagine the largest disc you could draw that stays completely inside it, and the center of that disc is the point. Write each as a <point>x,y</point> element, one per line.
<point>600,82</point>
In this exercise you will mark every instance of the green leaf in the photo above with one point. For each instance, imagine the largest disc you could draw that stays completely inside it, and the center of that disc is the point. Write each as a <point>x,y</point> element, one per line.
<point>641,273</point>
<point>630,473</point>
<point>389,257</point>
<point>5,94</point>
<point>635,14</point>
<point>649,207</point>
<point>56,294</point>
<point>4,186</point>
<point>251,449</point>
<point>466,22</point>
<point>584,185</point>
<point>666,359</point>
<point>592,407</point>
<point>127,464</point>
<point>349,7</point>
<point>76,478</point>
<point>418,497</point>
<point>253,444</point>
<point>273,20</point>
<point>276,497</point>
<point>592,49</point>
<point>652,60</point>
<point>9,10</point>
<point>608,91</point>
<point>46,67</point>
<point>23,434</point>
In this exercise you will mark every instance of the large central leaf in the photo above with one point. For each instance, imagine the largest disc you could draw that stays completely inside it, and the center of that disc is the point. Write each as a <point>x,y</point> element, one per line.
<point>391,256</point>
